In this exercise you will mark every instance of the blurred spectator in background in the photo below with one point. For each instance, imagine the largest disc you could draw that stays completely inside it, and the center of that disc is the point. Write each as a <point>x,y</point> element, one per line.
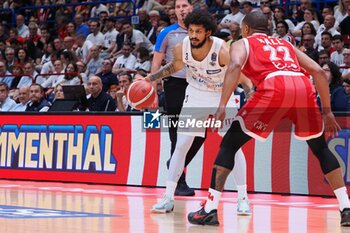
<point>99,100</point>
<point>324,57</point>
<point>279,14</point>
<point>136,37</point>
<point>10,58</point>
<point>6,103</point>
<point>84,46</point>
<point>22,29</point>
<point>110,37</point>
<point>338,96</point>
<point>327,26</point>
<point>95,64</point>
<point>37,102</point>
<point>346,65</point>
<point>95,36</point>
<point>125,80</point>
<point>143,60</point>
<point>29,75</point>
<point>341,10</point>
<point>234,16</point>
<point>338,45</point>
<point>307,47</point>
<point>126,61</point>
<point>3,72</point>
<point>58,91</point>
<point>23,98</point>
<point>17,71</point>
<point>107,77</point>
<point>282,32</point>
<point>326,42</point>
<point>346,86</point>
<point>80,26</point>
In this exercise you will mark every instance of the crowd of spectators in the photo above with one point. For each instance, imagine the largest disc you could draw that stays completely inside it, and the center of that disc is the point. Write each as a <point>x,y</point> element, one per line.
<point>98,47</point>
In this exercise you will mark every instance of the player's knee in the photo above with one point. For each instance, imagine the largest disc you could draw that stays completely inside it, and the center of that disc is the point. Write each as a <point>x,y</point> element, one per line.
<point>225,158</point>
<point>327,160</point>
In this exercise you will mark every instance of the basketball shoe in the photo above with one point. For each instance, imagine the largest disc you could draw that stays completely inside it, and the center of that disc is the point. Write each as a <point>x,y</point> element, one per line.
<point>243,207</point>
<point>165,205</point>
<point>345,217</point>
<point>201,217</point>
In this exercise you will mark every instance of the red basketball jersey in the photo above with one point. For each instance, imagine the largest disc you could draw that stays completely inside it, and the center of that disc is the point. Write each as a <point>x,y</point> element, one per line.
<point>266,55</point>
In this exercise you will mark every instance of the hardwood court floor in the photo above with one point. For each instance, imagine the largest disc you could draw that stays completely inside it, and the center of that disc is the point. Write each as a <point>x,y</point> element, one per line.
<point>44,207</point>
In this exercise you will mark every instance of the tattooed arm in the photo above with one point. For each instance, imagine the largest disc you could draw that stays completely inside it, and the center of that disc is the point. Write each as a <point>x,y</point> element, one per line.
<point>169,68</point>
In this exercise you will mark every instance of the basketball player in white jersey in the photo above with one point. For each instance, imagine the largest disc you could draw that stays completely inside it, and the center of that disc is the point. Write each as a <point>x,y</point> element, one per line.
<point>206,59</point>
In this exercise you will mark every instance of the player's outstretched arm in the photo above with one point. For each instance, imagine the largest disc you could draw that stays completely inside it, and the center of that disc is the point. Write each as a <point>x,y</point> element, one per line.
<point>236,59</point>
<point>170,68</point>
<point>321,83</point>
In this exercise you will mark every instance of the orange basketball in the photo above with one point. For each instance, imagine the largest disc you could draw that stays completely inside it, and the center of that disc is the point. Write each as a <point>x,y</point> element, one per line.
<point>141,94</point>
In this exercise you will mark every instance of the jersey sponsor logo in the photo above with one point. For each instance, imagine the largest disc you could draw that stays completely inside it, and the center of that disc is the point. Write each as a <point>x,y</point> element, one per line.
<point>213,71</point>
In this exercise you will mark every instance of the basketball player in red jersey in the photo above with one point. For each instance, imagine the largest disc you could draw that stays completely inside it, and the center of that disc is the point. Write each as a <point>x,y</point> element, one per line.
<point>282,91</point>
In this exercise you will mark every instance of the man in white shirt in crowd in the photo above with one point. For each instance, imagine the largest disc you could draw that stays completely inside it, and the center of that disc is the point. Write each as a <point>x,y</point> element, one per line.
<point>338,44</point>
<point>82,51</point>
<point>29,69</point>
<point>22,29</point>
<point>327,26</point>
<point>110,37</point>
<point>126,61</point>
<point>6,103</point>
<point>23,98</point>
<point>136,37</point>
<point>95,64</point>
<point>235,15</point>
<point>345,67</point>
<point>96,37</point>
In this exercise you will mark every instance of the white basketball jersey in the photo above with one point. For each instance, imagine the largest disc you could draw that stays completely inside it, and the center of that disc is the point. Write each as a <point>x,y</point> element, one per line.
<point>206,75</point>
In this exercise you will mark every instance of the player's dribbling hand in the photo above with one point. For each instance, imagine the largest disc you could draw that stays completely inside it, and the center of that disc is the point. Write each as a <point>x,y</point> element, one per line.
<point>331,127</point>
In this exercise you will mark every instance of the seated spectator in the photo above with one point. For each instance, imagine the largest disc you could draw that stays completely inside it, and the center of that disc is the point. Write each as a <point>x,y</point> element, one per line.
<point>10,58</point>
<point>326,42</point>
<point>96,37</point>
<point>143,60</point>
<point>338,96</point>
<point>307,47</point>
<point>71,76</point>
<point>37,102</point>
<point>99,100</point>
<point>126,61</point>
<point>279,14</point>
<point>54,79</point>
<point>107,77</point>
<point>58,91</point>
<point>81,27</point>
<point>234,16</point>
<point>81,70</point>
<point>17,71</point>
<point>95,63</point>
<point>340,10</point>
<point>344,26</point>
<point>113,89</point>
<point>3,71</point>
<point>324,57</point>
<point>23,97</point>
<point>110,37</point>
<point>83,49</point>
<point>346,86</point>
<point>235,31</point>
<point>136,37</point>
<point>338,45</point>
<point>310,17</point>
<point>125,80</point>
<point>327,26</point>
<point>282,32</point>
<point>22,29</point>
<point>6,103</point>
<point>22,57</point>
<point>345,67</point>
<point>14,35</point>
<point>47,68</point>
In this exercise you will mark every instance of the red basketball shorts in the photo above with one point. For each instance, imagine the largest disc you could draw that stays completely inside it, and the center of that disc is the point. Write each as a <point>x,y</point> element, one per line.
<point>279,97</point>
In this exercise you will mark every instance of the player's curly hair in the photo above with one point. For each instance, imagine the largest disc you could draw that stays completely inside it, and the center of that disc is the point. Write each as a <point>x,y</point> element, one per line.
<point>200,17</point>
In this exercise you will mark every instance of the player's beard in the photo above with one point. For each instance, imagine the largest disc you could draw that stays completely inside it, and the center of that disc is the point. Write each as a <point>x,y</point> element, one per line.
<point>200,45</point>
